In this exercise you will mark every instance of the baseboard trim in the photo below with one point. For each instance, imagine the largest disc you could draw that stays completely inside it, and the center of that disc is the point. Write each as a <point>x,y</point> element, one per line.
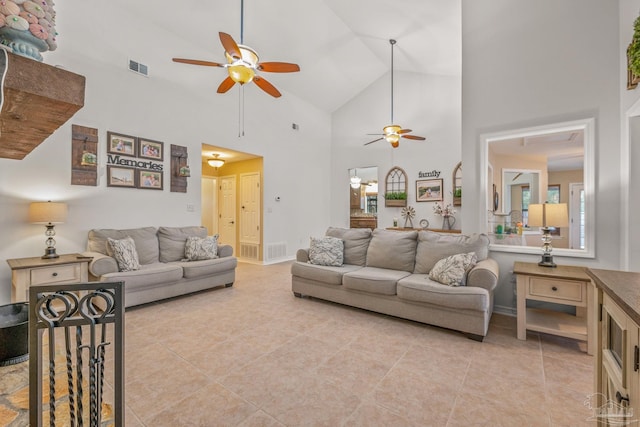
<point>505,310</point>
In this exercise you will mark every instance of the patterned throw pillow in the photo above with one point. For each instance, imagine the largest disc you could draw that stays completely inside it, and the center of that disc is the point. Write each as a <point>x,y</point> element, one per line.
<point>198,249</point>
<point>452,270</point>
<point>124,251</point>
<point>326,251</point>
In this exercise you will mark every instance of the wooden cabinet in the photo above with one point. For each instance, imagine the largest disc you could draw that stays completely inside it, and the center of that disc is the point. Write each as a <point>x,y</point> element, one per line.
<point>354,199</point>
<point>565,285</point>
<point>25,272</point>
<point>363,222</point>
<point>617,358</point>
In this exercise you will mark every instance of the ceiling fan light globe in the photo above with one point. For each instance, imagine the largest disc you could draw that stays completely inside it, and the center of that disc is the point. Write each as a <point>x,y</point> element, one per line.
<point>241,73</point>
<point>395,144</point>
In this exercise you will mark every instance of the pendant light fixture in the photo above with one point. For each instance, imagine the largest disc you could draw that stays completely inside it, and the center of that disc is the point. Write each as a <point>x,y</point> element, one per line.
<point>216,162</point>
<point>355,180</point>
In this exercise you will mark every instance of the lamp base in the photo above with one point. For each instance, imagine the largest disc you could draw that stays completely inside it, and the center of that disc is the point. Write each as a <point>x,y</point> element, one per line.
<point>547,261</point>
<point>50,253</point>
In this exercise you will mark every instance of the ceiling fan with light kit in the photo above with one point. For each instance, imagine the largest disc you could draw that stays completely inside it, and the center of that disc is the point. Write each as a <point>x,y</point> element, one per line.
<point>392,133</point>
<point>243,63</point>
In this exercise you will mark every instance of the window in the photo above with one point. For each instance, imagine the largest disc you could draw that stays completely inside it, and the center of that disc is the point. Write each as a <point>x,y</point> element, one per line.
<point>553,194</point>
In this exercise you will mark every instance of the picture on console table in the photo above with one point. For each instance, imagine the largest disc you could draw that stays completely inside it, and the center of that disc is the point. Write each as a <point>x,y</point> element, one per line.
<point>118,176</point>
<point>121,144</point>
<point>150,149</point>
<point>149,180</point>
<point>429,190</point>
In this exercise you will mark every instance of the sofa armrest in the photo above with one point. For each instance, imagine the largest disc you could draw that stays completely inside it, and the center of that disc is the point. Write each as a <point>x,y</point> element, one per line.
<point>101,264</point>
<point>302,255</point>
<point>225,251</point>
<point>484,275</point>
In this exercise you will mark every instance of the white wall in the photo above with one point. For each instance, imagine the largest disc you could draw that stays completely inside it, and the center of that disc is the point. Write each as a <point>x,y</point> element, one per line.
<point>630,149</point>
<point>533,63</point>
<point>427,104</point>
<point>296,163</point>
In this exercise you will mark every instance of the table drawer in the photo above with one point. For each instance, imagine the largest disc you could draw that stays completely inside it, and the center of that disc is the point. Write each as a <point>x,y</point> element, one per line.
<point>562,290</point>
<point>55,274</point>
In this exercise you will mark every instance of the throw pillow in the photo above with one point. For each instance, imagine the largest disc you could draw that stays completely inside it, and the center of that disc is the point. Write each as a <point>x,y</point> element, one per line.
<point>198,249</point>
<point>326,251</point>
<point>124,251</point>
<point>452,270</point>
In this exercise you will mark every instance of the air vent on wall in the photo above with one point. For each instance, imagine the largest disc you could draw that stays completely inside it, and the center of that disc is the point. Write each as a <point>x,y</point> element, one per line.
<point>138,67</point>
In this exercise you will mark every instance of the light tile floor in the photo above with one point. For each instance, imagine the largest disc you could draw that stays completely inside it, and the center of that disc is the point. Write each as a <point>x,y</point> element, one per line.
<point>254,355</point>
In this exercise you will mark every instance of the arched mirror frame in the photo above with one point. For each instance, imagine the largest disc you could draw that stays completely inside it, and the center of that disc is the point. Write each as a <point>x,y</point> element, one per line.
<point>456,179</point>
<point>587,126</point>
<point>395,186</point>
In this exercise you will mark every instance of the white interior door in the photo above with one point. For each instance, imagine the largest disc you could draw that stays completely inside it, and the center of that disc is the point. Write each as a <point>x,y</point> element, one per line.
<point>209,203</point>
<point>250,207</point>
<point>227,211</point>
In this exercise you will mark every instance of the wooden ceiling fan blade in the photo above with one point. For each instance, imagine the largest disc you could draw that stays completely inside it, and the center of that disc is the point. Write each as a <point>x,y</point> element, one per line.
<point>226,85</point>
<point>415,137</point>
<point>230,45</point>
<point>267,87</point>
<point>197,62</point>
<point>278,67</point>
<point>375,140</point>
<point>401,131</point>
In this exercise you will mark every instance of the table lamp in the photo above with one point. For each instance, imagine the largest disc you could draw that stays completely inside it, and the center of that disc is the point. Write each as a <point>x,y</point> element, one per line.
<point>545,216</point>
<point>48,213</point>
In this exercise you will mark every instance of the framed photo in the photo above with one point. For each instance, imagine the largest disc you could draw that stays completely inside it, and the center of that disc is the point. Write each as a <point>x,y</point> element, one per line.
<point>121,144</point>
<point>150,149</point>
<point>429,190</point>
<point>149,180</point>
<point>119,176</point>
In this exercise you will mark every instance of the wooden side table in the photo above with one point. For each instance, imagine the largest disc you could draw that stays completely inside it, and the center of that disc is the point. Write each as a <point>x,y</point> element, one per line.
<point>25,272</point>
<point>567,285</point>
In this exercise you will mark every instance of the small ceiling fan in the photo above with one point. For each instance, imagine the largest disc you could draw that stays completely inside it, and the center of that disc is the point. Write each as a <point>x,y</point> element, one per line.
<point>392,133</point>
<point>242,63</point>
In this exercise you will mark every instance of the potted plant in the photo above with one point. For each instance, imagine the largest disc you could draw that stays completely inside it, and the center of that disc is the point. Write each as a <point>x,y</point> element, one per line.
<point>395,199</point>
<point>634,49</point>
<point>457,196</point>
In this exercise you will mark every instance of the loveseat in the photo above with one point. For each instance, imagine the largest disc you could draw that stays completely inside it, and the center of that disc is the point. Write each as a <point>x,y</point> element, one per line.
<point>164,268</point>
<point>389,272</point>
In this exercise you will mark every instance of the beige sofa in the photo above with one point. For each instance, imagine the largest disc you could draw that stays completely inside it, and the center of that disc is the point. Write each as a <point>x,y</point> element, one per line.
<point>388,272</point>
<point>162,273</point>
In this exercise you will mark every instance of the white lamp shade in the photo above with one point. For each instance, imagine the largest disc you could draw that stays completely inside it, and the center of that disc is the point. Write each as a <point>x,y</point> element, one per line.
<point>548,215</point>
<point>47,212</point>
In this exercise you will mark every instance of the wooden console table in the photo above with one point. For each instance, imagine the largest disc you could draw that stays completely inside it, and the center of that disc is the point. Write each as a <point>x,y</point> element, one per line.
<point>436,230</point>
<point>26,272</point>
<point>567,285</point>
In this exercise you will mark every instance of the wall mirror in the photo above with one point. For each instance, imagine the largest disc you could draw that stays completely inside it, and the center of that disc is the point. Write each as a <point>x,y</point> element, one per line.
<point>456,179</point>
<point>363,199</point>
<point>552,163</point>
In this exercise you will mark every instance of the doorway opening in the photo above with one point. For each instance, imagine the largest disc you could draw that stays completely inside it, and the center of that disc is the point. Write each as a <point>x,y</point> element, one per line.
<point>232,200</point>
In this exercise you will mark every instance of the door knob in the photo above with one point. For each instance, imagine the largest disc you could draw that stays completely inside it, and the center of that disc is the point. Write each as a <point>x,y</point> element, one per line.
<point>232,222</point>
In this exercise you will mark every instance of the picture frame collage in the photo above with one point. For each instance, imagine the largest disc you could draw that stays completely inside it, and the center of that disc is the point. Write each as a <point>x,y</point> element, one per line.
<point>138,147</point>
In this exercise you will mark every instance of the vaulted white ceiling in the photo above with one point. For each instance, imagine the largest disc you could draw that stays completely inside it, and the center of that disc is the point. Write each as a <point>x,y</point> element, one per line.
<point>342,46</point>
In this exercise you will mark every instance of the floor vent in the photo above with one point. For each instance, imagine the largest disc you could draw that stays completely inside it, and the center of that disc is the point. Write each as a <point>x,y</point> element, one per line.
<point>138,67</point>
<point>249,250</point>
<point>276,250</point>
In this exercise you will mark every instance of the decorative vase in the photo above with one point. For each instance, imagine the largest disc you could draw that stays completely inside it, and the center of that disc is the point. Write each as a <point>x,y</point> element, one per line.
<point>28,27</point>
<point>448,222</point>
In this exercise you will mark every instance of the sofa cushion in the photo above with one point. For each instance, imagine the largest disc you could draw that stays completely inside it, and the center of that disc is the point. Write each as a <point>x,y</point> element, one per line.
<point>356,242</point>
<point>149,275</point>
<point>145,239</point>
<point>194,269</point>
<point>432,247</point>
<point>321,273</point>
<point>392,250</point>
<point>172,241</point>
<point>124,252</point>
<point>418,287</point>
<point>198,249</point>
<point>326,251</point>
<point>374,280</point>
<point>452,270</point>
